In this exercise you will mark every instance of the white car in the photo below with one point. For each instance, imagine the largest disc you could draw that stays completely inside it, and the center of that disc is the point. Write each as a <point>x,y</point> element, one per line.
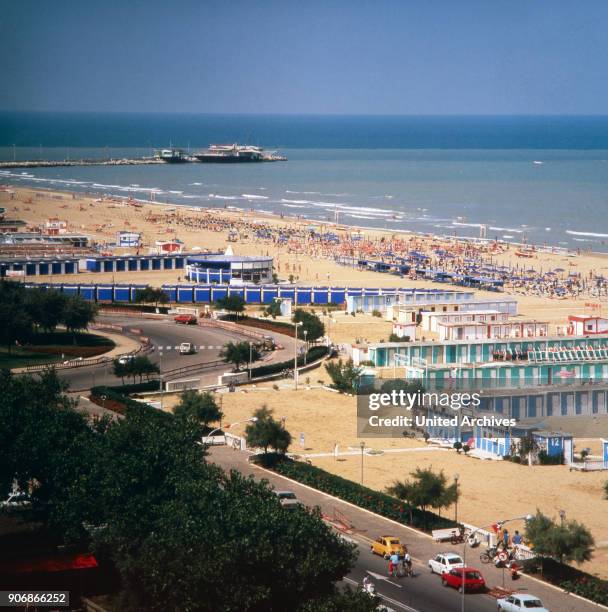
<point>288,499</point>
<point>444,562</point>
<point>16,500</point>
<point>187,348</point>
<point>521,602</point>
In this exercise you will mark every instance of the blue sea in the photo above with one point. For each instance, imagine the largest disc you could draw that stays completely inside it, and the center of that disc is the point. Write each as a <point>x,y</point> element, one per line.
<point>544,179</point>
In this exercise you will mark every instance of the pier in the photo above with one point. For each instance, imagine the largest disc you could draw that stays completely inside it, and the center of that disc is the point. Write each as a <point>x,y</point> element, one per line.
<point>46,163</point>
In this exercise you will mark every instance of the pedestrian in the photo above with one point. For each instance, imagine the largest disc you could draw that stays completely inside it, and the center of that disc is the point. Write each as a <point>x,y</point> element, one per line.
<point>505,538</point>
<point>517,539</point>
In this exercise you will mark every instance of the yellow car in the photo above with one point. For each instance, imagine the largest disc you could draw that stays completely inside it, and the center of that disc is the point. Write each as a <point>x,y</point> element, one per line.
<point>387,545</point>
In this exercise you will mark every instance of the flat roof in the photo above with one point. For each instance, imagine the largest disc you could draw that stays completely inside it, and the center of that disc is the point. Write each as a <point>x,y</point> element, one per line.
<point>226,258</point>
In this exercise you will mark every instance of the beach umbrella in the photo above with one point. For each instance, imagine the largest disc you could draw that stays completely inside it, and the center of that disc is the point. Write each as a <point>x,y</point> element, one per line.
<point>559,270</point>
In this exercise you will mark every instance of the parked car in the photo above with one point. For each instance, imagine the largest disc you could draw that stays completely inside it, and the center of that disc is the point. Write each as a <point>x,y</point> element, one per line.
<point>473,580</point>
<point>15,500</point>
<point>288,499</point>
<point>519,602</point>
<point>125,359</point>
<point>187,348</point>
<point>387,545</point>
<point>444,562</point>
<point>185,319</point>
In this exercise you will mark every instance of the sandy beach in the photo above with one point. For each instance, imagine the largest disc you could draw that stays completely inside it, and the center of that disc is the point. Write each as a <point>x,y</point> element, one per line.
<point>102,218</point>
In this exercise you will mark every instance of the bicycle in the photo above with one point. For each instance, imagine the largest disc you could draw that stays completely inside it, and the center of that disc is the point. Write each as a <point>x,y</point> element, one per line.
<point>488,556</point>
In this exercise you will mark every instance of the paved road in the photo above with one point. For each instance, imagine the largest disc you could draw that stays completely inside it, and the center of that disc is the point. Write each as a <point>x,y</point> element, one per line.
<point>424,592</point>
<point>166,333</point>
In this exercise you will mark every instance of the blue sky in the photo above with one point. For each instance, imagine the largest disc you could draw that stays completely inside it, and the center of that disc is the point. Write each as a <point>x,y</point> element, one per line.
<point>307,56</point>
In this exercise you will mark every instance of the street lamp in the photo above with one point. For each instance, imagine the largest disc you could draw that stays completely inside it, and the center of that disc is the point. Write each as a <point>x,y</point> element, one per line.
<point>250,346</point>
<point>305,345</point>
<point>525,517</point>
<point>562,517</point>
<point>362,445</point>
<point>456,477</point>
<point>295,357</point>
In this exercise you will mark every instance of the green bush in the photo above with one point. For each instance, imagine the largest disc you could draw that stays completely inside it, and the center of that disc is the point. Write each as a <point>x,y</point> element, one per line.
<point>375,501</point>
<point>149,385</point>
<point>545,459</point>
<point>316,352</point>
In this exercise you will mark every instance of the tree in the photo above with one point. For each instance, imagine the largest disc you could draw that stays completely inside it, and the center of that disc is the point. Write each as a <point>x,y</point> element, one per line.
<point>45,307</point>
<point>564,542</point>
<point>120,369</point>
<point>239,352</point>
<point>311,324</point>
<point>150,295</point>
<point>344,376</point>
<point>232,303</point>
<point>395,338</point>
<point>15,320</point>
<point>458,446</point>
<point>426,489</point>
<point>199,407</point>
<point>77,314</point>
<point>142,366</point>
<point>266,432</point>
<point>274,309</point>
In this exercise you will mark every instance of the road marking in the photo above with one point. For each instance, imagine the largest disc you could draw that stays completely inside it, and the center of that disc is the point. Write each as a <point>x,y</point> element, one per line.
<point>381,577</point>
<point>394,602</point>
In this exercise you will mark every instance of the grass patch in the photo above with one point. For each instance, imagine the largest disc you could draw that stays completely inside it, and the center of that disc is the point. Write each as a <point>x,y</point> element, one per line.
<point>52,347</point>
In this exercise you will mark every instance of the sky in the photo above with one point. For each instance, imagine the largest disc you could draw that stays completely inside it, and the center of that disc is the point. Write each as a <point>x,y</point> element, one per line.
<point>431,57</point>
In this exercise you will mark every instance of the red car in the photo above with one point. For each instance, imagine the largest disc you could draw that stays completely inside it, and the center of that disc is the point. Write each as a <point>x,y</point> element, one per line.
<point>185,319</point>
<point>473,580</point>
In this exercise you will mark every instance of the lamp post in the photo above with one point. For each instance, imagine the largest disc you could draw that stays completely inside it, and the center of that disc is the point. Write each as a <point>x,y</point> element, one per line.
<point>295,357</point>
<point>456,477</point>
<point>362,445</point>
<point>562,517</point>
<point>305,345</point>
<point>250,345</point>
<point>525,517</point>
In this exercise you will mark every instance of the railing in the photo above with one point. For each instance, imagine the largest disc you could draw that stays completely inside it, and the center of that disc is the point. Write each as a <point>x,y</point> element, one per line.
<point>191,369</point>
<point>231,327</point>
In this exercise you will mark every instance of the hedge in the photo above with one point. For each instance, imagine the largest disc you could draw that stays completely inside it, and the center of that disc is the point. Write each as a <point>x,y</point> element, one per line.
<point>279,327</point>
<point>375,501</point>
<point>569,578</point>
<point>315,353</point>
<point>149,385</point>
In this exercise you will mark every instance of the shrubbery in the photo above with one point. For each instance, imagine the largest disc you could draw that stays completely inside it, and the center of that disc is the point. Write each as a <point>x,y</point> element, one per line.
<point>375,501</point>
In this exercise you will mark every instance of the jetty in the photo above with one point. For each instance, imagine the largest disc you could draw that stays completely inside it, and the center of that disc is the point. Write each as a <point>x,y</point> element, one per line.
<point>56,163</point>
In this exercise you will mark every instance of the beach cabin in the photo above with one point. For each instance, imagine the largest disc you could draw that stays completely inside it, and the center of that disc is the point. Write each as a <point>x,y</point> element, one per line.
<point>405,330</point>
<point>583,325</point>
<point>431,320</point>
<point>54,227</point>
<point>555,444</point>
<point>128,239</point>
<point>480,330</point>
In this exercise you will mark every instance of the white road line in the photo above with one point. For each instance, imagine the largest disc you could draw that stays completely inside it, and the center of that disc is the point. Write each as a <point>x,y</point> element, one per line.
<point>394,602</point>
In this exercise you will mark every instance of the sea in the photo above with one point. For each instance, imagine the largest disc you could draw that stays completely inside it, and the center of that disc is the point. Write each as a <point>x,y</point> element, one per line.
<point>542,180</point>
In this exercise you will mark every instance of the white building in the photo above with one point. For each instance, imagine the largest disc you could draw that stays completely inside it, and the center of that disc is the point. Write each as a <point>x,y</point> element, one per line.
<point>405,330</point>
<point>478,330</point>
<point>584,325</point>
<point>431,320</point>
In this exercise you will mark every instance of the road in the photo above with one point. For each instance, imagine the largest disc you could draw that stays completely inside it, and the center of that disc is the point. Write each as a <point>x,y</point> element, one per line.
<point>423,592</point>
<point>166,333</point>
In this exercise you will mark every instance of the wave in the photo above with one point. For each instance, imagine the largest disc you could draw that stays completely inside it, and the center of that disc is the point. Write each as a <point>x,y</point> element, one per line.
<point>461,224</point>
<point>592,234</point>
<point>250,196</point>
<point>197,184</point>
<point>222,197</point>
<point>294,206</point>
<point>286,201</point>
<point>506,229</point>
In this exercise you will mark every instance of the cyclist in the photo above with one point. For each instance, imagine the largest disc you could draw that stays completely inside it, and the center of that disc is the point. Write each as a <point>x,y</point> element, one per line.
<point>407,563</point>
<point>393,563</point>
